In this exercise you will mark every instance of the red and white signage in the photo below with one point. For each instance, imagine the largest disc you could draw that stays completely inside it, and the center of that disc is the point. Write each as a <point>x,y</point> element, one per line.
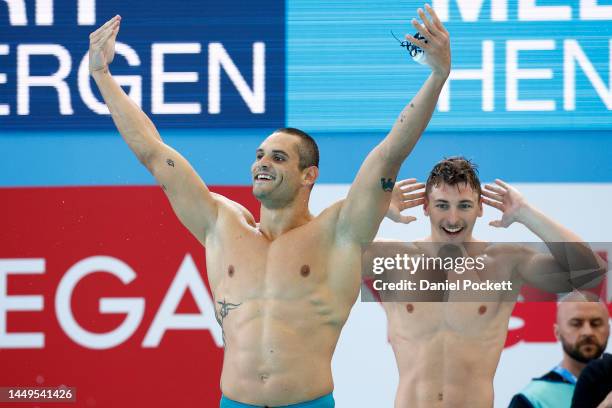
<point>102,289</point>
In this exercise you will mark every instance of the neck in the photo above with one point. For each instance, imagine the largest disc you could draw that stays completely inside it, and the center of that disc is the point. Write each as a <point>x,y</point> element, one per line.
<point>571,365</point>
<point>276,221</point>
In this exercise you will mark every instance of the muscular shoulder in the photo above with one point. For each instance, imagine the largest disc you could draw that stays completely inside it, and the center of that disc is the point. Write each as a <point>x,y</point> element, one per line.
<point>233,209</point>
<point>327,221</point>
<point>389,248</point>
<point>329,216</point>
<point>405,247</point>
<point>507,250</point>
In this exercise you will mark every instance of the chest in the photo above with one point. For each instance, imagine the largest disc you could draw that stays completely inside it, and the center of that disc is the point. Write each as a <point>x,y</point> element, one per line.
<point>423,319</point>
<point>247,266</point>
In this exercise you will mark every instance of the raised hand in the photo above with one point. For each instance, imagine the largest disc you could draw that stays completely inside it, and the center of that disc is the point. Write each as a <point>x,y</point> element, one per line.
<point>102,44</point>
<point>404,197</point>
<point>437,47</point>
<point>505,198</point>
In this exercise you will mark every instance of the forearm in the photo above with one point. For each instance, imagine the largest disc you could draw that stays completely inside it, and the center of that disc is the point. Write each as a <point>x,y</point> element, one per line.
<point>413,119</point>
<point>133,124</point>
<point>368,199</point>
<point>568,249</point>
<point>544,227</point>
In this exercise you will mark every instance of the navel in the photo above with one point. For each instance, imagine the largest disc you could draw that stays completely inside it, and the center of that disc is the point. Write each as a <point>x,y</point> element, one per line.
<point>230,271</point>
<point>305,270</point>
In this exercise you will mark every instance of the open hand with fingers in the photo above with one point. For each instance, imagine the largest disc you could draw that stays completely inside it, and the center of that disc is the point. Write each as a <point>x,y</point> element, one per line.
<point>505,198</point>
<point>404,196</point>
<point>436,43</point>
<point>102,45</point>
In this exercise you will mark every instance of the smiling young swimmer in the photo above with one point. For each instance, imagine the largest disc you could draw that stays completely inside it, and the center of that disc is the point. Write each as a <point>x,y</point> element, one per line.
<point>283,288</point>
<point>447,352</point>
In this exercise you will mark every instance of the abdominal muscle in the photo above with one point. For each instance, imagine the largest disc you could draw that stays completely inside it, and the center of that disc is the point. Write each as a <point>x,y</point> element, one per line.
<point>278,352</point>
<point>442,366</point>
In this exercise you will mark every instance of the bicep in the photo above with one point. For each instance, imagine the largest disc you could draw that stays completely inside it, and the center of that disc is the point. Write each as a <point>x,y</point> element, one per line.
<point>368,199</point>
<point>546,272</point>
<point>195,206</point>
<point>542,271</point>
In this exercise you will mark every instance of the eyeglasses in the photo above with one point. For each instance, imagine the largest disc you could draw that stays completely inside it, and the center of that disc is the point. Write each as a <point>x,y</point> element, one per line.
<point>414,50</point>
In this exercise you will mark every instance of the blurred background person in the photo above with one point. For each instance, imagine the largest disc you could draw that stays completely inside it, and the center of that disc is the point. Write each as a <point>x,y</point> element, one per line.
<point>583,328</point>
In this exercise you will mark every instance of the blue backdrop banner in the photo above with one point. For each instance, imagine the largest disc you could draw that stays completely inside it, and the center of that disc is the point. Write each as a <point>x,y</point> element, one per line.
<point>516,64</point>
<point>188,64</point>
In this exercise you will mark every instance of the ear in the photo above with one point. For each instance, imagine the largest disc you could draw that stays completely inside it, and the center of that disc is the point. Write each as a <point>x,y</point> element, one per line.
<point>480,210</point>
<point>556,329</point>
<point>426,206</point>
<point>310,175</point>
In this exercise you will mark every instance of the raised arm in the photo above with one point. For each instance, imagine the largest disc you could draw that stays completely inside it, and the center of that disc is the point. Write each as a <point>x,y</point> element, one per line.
<point>571,263</point>
<point>368,199</point>
<point>191,200</point>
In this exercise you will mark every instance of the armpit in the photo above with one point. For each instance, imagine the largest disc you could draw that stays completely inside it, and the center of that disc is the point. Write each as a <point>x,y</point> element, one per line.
<point>238,208</point>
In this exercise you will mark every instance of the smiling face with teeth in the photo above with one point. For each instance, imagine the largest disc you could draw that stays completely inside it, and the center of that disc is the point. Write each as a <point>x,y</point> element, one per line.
<point>452,211</point>
<point>277,177</point>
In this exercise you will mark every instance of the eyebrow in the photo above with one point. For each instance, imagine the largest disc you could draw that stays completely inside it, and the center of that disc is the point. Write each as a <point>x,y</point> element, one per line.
<point>260,150</point>
<point>439,200</point>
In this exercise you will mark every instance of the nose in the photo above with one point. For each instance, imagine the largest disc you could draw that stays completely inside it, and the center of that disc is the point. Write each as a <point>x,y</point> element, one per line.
<point>263,163</point>
<point>586,330</point>
<point>453,217</point>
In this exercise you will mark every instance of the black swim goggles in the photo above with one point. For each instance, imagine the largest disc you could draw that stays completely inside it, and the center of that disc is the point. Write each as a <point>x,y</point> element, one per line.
<point>414,50</point>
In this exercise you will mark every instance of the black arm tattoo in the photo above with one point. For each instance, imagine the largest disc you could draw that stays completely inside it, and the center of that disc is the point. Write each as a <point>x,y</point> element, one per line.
<point>170,162</point>
<point>222,313</point>
<point>387,184</point>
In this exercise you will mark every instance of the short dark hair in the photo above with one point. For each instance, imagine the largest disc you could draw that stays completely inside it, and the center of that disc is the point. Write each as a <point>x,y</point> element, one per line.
<point>453,171</point>
<point>307,149</point>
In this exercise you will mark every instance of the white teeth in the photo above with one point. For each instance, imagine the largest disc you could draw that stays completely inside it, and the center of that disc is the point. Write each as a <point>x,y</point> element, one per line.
<point>453,230</point>
<point>263,177</point>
